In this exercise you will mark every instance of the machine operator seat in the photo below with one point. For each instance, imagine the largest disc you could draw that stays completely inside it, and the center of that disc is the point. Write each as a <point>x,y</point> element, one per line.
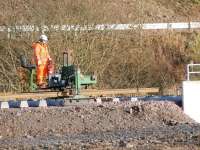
<point>25,65</point>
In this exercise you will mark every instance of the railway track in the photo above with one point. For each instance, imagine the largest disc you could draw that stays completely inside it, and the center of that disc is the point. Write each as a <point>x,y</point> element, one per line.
<point>49,99</point>
<point>88,93</point>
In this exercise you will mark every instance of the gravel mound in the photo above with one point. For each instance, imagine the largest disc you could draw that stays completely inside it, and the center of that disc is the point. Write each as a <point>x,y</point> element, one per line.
<point>92,118</point>
<point>92,125</point>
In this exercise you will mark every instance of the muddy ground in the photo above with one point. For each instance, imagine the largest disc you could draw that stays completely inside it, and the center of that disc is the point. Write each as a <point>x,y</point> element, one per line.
<point>136,125</point>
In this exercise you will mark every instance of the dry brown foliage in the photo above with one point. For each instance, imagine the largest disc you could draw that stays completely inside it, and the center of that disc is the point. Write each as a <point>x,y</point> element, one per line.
<point>121,59</point>
<point>93,11</point>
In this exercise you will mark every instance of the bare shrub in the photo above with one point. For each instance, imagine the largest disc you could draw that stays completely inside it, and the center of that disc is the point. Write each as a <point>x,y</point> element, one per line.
<point>121,59</point>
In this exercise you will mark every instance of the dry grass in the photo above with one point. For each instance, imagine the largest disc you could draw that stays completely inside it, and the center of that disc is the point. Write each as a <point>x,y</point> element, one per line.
<point>121,59</point>
<point>92,11</point>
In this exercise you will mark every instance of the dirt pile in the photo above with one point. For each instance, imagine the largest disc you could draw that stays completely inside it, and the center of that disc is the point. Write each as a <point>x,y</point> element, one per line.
<point>139,125</point>
<point>81,119</point>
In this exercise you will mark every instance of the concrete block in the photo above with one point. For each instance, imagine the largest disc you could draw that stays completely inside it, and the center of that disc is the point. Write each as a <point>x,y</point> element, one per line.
<point>55,102</point>
<point>191,99</point>
<point>14,104</point>
<point>23,104</point>
<point>42,103</point>
<point>33,103</point>
<point>4,105</point>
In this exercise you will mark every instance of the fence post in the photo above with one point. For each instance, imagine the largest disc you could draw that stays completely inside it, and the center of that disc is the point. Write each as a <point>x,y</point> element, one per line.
<point>188,72</point>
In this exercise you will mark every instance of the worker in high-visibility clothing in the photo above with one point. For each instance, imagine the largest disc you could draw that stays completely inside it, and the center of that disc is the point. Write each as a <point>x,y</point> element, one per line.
<point>42,60</point>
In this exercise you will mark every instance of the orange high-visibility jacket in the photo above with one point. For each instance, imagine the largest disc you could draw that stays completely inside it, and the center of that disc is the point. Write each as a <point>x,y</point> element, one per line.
<point>41,53</point>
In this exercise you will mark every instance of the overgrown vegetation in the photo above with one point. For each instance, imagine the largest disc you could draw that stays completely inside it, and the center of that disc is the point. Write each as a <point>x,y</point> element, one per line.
<point>120,59</point>
<point>116,57</point>
<point>196,1</point>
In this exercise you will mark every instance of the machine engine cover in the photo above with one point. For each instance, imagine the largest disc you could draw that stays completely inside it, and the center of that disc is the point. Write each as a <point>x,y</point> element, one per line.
<point>55,81</point>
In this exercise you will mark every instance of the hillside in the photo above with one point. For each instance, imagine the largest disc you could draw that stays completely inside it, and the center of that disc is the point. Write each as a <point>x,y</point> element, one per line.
<point>120,59</point>
<point>92,11</point>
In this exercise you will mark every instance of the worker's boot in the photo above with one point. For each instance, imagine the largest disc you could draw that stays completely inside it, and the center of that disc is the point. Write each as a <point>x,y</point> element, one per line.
<point>43,86</point>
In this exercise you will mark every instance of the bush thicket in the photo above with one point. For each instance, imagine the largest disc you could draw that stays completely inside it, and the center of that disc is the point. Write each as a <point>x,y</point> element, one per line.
<point>121,59</point>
